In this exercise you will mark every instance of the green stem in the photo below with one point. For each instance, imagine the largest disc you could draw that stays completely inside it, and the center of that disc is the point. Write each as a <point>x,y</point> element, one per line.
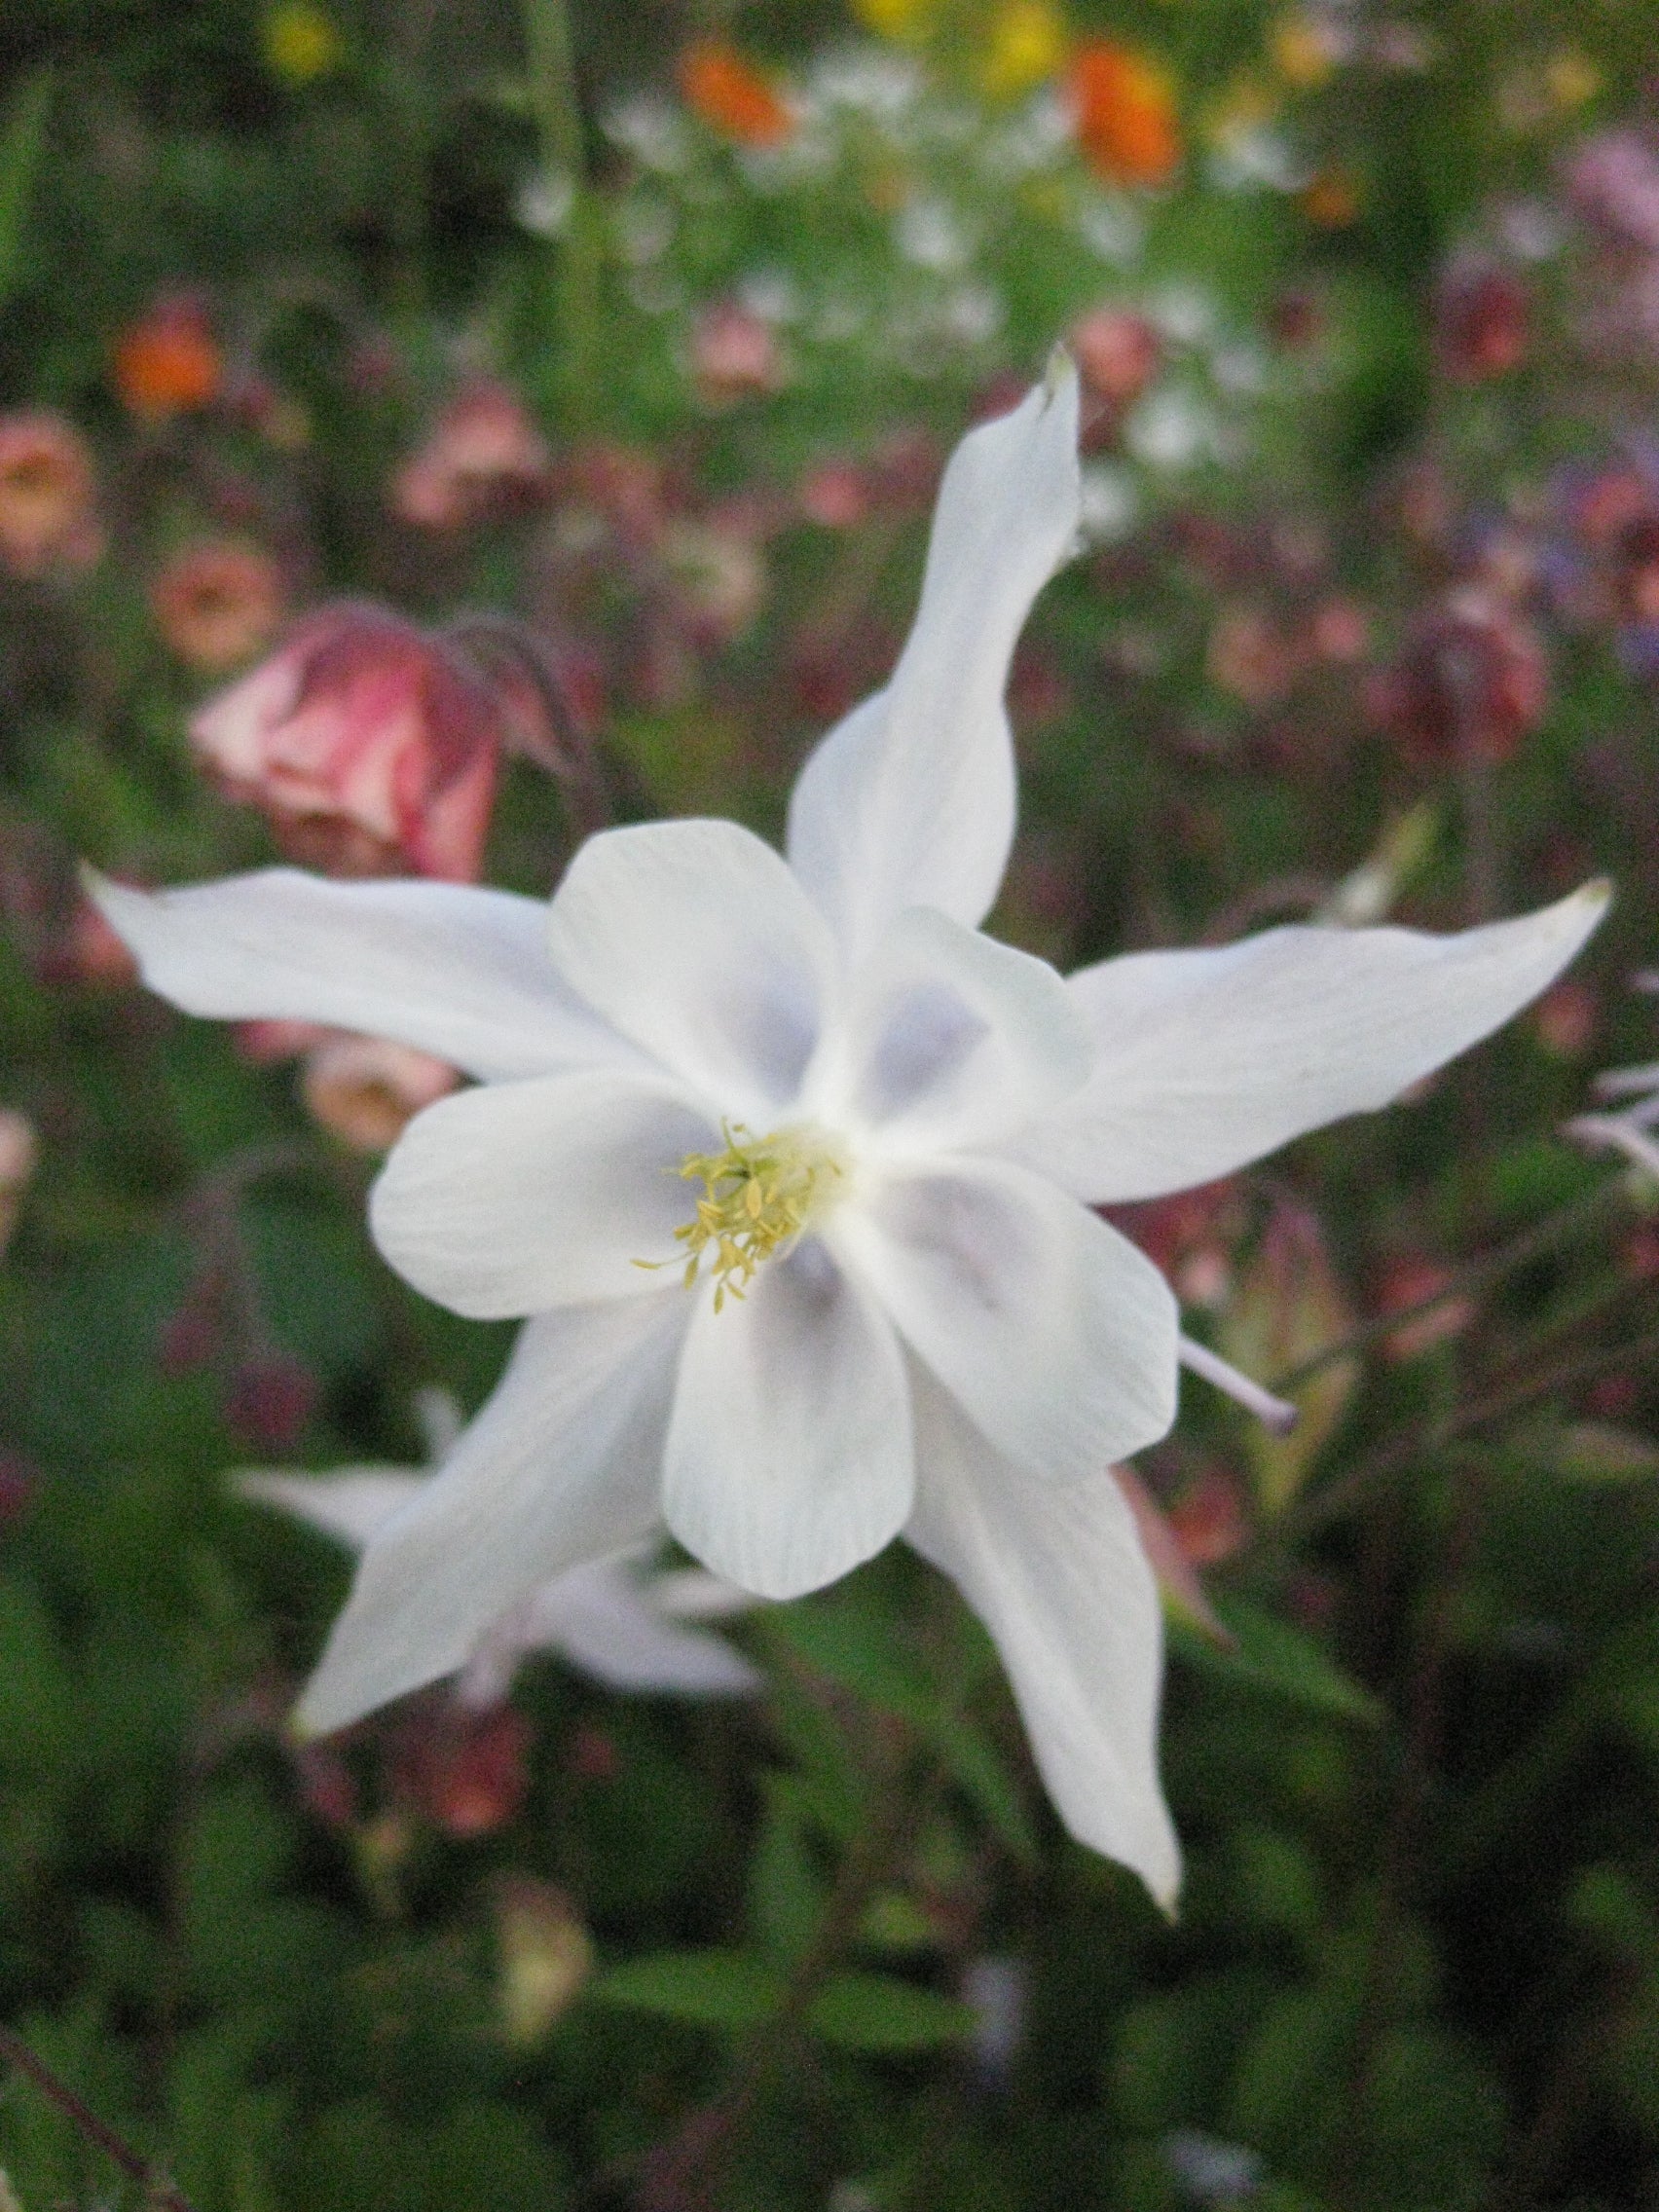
<point>1479,1274</point>
<point>550,58</point>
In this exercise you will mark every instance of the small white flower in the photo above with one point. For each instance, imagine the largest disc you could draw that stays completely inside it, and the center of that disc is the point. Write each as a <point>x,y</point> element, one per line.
<point>616,1619</point>
<point>793,1171</point>
<point>1634,1128</point>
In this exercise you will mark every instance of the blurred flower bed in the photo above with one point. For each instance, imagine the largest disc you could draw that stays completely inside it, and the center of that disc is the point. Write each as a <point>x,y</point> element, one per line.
<point>421,442</point>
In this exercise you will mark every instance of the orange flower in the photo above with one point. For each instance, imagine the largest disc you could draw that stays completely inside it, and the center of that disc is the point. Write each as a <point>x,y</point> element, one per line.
<point>1332,199</point>
<point>732,96</point>
<point>1124,111</point>
<point>217,604</point>
<point>169,362</point>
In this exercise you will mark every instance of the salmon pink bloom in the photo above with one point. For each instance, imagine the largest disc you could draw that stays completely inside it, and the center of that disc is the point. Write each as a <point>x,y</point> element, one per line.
<point>370,745</point>
<point>794,1172</point>
<point>217,604</point>
<point>46,494</point>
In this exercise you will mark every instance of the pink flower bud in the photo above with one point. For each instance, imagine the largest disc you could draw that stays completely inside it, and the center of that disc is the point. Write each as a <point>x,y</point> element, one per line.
<point>366,1090</point>
<point>1471,680</point>
<point>834,494</point>
<point>1481,319</point>
<point>370,747</point>
<point>269,1401</point>
<point>1117,354</point>
<point>734,356</point>
<point>19,1151</point>
<point>467,1772</point>
<point>484,455</point>
<point>89,951</point>
<point>19,1484</point>
<point>1614,180</point>
<point>262,1044</point>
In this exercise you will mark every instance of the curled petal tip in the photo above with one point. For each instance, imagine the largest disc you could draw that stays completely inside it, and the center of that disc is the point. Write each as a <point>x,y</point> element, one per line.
<point>1596,892</point>
<point>1060,371</point>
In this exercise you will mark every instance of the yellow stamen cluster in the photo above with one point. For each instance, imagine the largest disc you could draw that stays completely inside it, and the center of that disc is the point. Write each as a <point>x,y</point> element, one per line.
<point>758,1196</point>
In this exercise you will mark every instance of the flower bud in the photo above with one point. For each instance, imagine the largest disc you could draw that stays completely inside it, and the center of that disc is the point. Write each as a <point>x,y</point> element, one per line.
<point>20,1152</point>
<point>271,1399</point>
<point>467,1772</point>
<point>1117,354</point>
<point>370,747</point>
<point>366,1090</point>
<point>734,356</point>
<point>1481,318</point>
<point>546,1955</point>
<point>1471,681</point>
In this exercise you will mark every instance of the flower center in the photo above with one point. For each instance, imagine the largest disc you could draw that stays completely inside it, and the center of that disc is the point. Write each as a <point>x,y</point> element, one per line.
<point>759,1196</point>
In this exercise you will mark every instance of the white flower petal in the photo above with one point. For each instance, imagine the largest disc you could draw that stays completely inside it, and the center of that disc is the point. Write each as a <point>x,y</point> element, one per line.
<point>1055,1334</point>
<point>606,1621</point>
<point>910,800</point>
<point>349,1503</point>
<point>1058,1574</point>
<point>951,1040</point>
<point>690,1594</point>
<point>445,967</point>
<point>789,1453</point>
<point>696,942</point>
<point>524,1196</point>
<point>1206,1060</point>
<point>561,1466</point>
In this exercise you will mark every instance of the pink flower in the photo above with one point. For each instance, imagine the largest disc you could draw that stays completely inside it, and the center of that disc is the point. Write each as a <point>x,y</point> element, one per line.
<point>371,748</point>
<point>734,356</point>
<point>366,1090</point>
<point>217,604</point>
<point>47,493</point>
<point>484,453</point>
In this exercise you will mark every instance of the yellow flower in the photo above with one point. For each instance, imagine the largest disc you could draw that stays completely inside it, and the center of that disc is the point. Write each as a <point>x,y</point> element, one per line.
<point>301,42</point>
<point>1027,43</point>
<point>906,20</point>
<point>1305,50</point>
<point>1571,78</point>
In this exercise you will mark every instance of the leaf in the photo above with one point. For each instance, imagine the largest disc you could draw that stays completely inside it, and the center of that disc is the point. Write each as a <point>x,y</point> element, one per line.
<point>1268,1654</point>
<point>1591,1452</point>
<point>23,139</point>
<point>715,1989</point>
<point>1289,1306</point>
<point>872,2012</point>
<point>859,1647</point>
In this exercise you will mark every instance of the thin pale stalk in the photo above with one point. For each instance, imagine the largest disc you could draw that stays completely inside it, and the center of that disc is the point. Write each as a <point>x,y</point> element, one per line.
<point>1477,1274</point>
<point>551,60</point>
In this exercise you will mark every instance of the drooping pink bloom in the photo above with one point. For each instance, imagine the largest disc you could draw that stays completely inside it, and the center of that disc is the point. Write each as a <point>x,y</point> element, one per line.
<point>371,747</point>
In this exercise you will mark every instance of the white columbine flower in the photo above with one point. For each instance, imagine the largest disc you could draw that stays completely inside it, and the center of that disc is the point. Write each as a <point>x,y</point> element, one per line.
<point>791,1170</point>
<point>619,1619</point>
